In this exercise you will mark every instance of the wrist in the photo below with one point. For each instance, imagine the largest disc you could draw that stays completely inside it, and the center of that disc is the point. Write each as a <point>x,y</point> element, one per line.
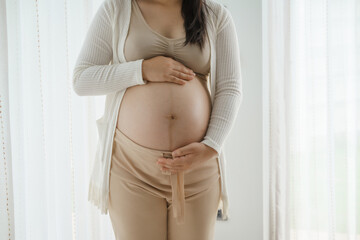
<point>143,69</point>
<point>211,151</point>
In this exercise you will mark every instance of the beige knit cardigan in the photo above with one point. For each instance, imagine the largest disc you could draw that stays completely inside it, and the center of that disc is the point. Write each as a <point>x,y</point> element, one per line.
<point>101,69</point>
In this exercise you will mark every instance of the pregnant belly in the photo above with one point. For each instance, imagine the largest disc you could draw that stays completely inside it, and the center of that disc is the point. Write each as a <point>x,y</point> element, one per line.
<point>165,116</point>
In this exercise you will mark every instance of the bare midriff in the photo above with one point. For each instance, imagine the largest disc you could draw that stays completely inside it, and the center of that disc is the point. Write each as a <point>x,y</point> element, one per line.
<point>165,116</point>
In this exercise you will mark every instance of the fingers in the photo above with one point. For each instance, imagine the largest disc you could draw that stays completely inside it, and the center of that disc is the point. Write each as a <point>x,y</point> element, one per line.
<point>180,72</point>
<point>190,148</point>
<point>182,75</point>
<point>178,163</point>
<point>175,79</point>
<point>179,77</point>
<point>178,66</point>
<point>170,170</point>
<point>173,169</point>
<point>164,167</point>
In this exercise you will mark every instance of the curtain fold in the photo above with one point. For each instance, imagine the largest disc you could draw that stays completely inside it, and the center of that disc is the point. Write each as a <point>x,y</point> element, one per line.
<point>314,79</point>
<point>6,184</point>
<point>48,133</point>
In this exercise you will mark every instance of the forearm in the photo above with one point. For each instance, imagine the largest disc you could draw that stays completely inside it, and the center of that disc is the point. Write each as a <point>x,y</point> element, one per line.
<point>228,89</point>
<point>223,116</point>
<point>104,79</point>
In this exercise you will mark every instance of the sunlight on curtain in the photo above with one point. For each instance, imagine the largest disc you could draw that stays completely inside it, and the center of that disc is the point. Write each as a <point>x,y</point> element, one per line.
<point>51,138</point>
<point>6,190</point>
<point>314,66</point>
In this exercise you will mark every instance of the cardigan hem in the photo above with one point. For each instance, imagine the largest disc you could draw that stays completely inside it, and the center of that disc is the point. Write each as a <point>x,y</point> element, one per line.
<point>97,197</point>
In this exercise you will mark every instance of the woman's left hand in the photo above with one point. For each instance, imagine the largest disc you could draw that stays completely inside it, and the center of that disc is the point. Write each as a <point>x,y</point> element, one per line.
<point>186,157</point>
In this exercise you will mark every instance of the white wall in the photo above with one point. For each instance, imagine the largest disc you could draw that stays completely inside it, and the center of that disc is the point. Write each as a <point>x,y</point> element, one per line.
<point>244,145</point>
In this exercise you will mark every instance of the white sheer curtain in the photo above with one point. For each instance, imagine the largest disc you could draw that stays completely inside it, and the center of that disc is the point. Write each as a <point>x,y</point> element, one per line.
<point>47,133</point>
<point>313,62</point>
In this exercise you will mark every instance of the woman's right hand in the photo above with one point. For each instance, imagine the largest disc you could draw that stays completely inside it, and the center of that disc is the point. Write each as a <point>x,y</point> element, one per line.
<point>166,69</point>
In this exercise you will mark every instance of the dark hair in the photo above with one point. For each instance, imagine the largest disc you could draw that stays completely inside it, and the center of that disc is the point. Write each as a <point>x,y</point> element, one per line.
<point>193,12</point>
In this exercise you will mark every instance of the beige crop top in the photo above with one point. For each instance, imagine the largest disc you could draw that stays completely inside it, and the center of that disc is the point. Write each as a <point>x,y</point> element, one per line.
<point>143,42</point>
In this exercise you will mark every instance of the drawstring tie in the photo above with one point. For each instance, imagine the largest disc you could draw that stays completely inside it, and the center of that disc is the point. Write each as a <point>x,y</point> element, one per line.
<point>178,196</point>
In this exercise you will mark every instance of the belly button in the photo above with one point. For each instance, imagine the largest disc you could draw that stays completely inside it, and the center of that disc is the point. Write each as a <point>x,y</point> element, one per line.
<point>172,116</point>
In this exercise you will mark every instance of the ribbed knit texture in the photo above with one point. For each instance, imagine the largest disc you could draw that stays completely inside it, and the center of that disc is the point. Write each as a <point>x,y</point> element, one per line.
<point>94,76</point>
<point>103,45</point>
<point>92,73</point>
<point>228,87</point>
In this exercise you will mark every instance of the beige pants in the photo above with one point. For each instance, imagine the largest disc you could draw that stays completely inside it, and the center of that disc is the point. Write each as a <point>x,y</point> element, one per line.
<point>148,203</point>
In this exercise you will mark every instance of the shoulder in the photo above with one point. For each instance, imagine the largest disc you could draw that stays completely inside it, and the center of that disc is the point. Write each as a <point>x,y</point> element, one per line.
<point>115,5</point>
<point>220,15</point>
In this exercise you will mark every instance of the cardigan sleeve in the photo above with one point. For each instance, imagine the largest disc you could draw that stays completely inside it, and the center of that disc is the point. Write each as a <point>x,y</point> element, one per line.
<point>92,74</point>
<point>228,88</point>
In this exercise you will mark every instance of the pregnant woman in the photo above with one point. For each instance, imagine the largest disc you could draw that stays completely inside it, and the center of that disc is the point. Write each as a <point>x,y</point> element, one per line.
<point>164,177</point>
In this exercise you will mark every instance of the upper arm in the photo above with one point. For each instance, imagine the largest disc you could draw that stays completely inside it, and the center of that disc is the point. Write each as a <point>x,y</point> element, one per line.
<point>97,45</point>
<point>228,66</point>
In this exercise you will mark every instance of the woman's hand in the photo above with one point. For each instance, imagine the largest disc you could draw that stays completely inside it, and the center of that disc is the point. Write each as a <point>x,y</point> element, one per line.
<point>166,69</point>
<point>187,157</point>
